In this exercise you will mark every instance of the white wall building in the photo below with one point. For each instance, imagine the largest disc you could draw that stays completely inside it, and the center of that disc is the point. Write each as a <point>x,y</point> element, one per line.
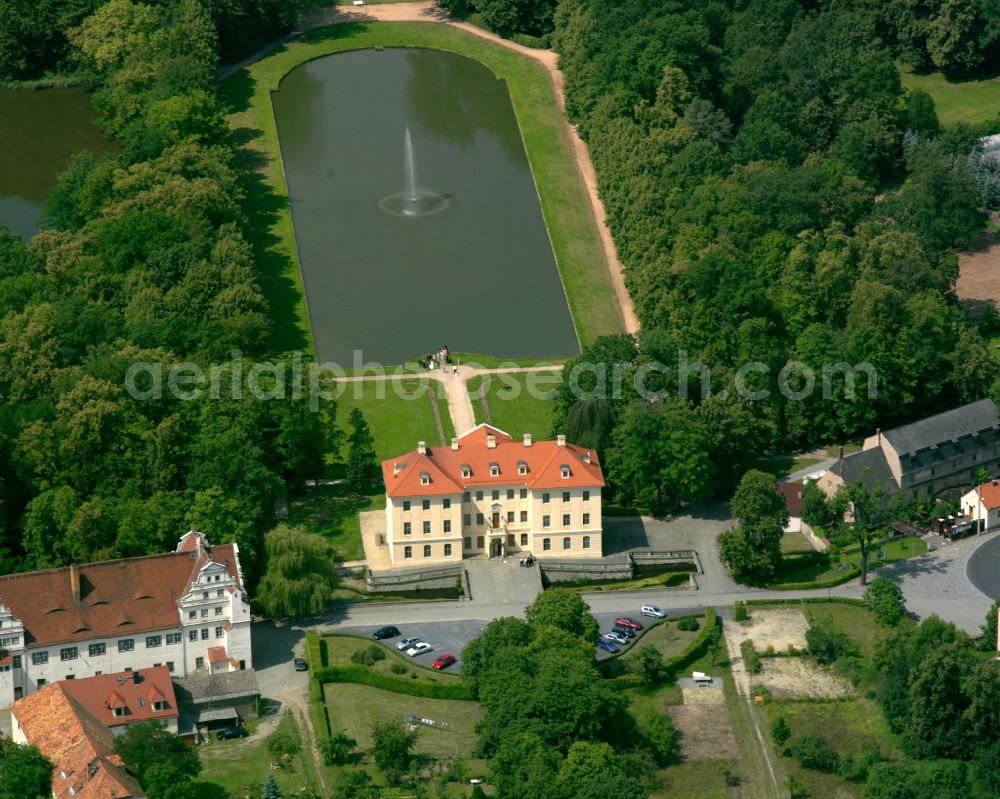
<point>99,618</point>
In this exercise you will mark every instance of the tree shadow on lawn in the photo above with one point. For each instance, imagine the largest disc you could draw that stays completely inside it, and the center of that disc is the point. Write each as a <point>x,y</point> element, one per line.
<point>327,509</point>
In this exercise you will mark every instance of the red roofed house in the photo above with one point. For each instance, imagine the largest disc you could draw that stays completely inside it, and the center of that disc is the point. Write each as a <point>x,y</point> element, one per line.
<point>983,502</point>
<point>115,616</point>
<point>489,494</point>
<point>80,747</point>
<point>118,700</point>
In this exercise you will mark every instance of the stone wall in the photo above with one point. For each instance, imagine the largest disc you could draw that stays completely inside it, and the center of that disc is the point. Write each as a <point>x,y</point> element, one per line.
<point>417,579</point>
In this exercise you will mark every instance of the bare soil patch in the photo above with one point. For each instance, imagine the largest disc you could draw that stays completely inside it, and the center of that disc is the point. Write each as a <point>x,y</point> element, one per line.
<point>705,732</point>
<point>777,627</point>
<point>978,283</point>
<point>795,677</point>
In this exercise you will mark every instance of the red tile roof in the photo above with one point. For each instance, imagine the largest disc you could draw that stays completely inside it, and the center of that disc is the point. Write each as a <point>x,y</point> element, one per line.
<point>217,654</point>
<point>792,493</point>
<point>443,466</point>
<point>990,494</point>
<point>80,747</point>
<point>117,597</point>
<point>136,691</point>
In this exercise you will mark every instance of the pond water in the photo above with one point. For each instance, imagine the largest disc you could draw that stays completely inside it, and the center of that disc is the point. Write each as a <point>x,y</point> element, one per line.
<point>39,131</point>
<point>415,212</point>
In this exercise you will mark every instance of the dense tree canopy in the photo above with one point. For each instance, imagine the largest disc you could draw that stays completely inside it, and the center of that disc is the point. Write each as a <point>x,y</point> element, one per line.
<point>300,575</point>
<point>25,773</point>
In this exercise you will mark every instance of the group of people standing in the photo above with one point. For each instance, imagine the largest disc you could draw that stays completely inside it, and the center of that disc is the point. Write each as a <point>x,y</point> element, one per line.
<point>440,358</point>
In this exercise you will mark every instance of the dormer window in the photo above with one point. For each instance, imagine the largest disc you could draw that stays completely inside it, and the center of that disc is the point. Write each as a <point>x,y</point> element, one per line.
<point>494,470</point>
<point>522,468</point>
<point>466,471</point>
<point>564,471</point>
<point>425,479</point>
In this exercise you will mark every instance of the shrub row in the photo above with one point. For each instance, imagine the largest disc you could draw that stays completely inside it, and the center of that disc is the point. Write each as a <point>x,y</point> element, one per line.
<point>320,719</point>
<point>848,575</point>
<point>387,682</point>
<point>751,660</point>
<point>808,600</point>
<point>697,647</point>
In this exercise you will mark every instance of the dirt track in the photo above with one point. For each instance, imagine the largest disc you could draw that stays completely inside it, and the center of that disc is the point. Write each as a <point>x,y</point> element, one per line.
<point>979,272</point>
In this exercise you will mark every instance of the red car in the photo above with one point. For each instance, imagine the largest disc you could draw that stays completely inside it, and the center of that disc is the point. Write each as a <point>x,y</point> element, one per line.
<point>444,661</point>
<point>625,621</point>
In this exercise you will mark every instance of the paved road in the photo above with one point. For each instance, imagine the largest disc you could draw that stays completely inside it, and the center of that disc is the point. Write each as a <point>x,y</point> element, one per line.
<point>983,568</point>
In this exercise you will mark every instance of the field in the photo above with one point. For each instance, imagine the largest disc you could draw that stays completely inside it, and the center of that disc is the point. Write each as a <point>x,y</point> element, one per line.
<point>517,403</point>
<point>399,412</point>
<point>565,206</point>
<point>971,101</point>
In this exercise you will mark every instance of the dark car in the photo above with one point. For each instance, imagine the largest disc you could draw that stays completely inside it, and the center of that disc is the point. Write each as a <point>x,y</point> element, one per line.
<point>628,632</point>
<point>385,632</point>
<point>231,732</point>
<point>300,664</point>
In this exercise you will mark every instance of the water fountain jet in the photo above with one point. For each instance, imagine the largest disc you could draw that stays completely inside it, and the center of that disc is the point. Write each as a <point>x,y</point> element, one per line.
<point>414,201</point>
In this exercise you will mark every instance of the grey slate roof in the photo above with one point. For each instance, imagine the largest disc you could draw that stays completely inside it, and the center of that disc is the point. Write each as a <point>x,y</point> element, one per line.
<point>870,467</point>
<point>944,427</point>
<point>230,685</point>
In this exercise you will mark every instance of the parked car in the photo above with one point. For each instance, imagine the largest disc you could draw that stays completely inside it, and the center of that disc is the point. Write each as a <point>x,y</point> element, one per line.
<point>625,621</point>
<point>231,732</point>
<point>652,610</point>
<point>608,646</point>
<point>623,631</point>
<point>300,664</point>
<point>444,661</point>
<point>419,648</point>
<point>621,640</point>
<point>385,632</point>
<point>406,643</point>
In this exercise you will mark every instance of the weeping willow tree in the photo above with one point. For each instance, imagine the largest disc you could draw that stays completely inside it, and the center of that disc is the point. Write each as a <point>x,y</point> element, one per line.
<point>300,573</point>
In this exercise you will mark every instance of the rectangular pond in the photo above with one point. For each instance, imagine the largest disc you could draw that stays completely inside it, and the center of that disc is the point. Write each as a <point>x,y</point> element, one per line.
<point>403,256</point>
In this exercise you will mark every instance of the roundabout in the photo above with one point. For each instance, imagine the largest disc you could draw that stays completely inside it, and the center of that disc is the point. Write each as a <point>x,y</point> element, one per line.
<point>983,568</point>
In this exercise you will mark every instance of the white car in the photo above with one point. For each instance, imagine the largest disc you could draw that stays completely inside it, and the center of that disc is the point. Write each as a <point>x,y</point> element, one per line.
<point>419,648</point>
<point>406,643</point>
<point>652,610</point>
<point>621,640</point>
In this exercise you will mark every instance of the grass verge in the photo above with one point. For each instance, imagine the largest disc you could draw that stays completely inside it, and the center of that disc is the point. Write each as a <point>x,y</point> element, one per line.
<point>518,402</point>
<point>971,101</point>
<point>332,511</point>
<point>565,205</point>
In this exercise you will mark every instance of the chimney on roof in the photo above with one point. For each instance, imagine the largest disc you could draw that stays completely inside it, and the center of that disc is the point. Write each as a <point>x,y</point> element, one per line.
<point>397,468</point>
<point>561,440</point>
<point>421,447</point>
<point>74,582</point>
<point>840,457</point>
<point>527,439</point>
<point>491,441</point>
<point>454,444</point>
<point>878,436</point>
<point>994,483</point>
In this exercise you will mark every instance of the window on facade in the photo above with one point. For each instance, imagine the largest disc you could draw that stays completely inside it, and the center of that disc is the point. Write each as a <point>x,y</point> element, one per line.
<point>407,552</point>
<point>480,519</point>
<point>564,471</point>
<point>204,634</point>
<point>96,650</point>
<point>479,496</point>
<point>586,542</point>
<point>406,505</point>
<point>427,550</point>
<point>39,658</point>
<point>467,542</point>
<point>447,550</point>
<point>586,496</point>
<point>546,521</point>
<point>565,496</point>
<point>466,497</point>
<point>192,614</point>
<point>447,525</point>
<point>524,516</point>
<point>479,542</point>
<point>467,519</point>
<point>126,645</point>
<point>566,542</point>
<point>407,528</point>
<point>586,518</point>
<point>546,544</point>
<point>954,464</point>
<point>565,520</point>
<point>427,528</point>
<point>446,503</point>
<point>199,662</point>
<point>159,706</point>
<point>545,498</point>
<point>494,470</point>
<point>204,594</point>
<point>510,493</point>
<point>425,504</point>
<point>524,539</point>
<point>510,517</point>
<point>16,661</point>
<point>204,612</point>
<point>218,611</point>
<point>495,494</point>
<point>193,635</point>
<point>173,638</point>
<point>153,641</point>
<point>219,632</point>
<point>221,592</point>
<point>466,474</point>
<point>118,711</point>
<point>522,468</point>
<point>170,666</point>
<point>69,653</point>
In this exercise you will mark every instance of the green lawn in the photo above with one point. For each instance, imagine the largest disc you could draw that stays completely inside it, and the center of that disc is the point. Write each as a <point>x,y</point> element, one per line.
<point>399,412</point>
<point>780,465</point>
<point>664,636</point>
<point>853,621</point>
<point>704,779</point>
<point>339,649</point>
<point>332,511</point>
<point>795,542</point>
<point>518,402</point>
<point>565,206</point>
<point>970,101</point>
<point>354,708</point>
<point>814,567</point>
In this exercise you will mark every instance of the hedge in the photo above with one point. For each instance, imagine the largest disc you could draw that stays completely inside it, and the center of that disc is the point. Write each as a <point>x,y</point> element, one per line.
<point>362,675</point>
<point>808,600</point>
<point>847,576</point>
<point>697,647</point>
<point>321,721</point>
